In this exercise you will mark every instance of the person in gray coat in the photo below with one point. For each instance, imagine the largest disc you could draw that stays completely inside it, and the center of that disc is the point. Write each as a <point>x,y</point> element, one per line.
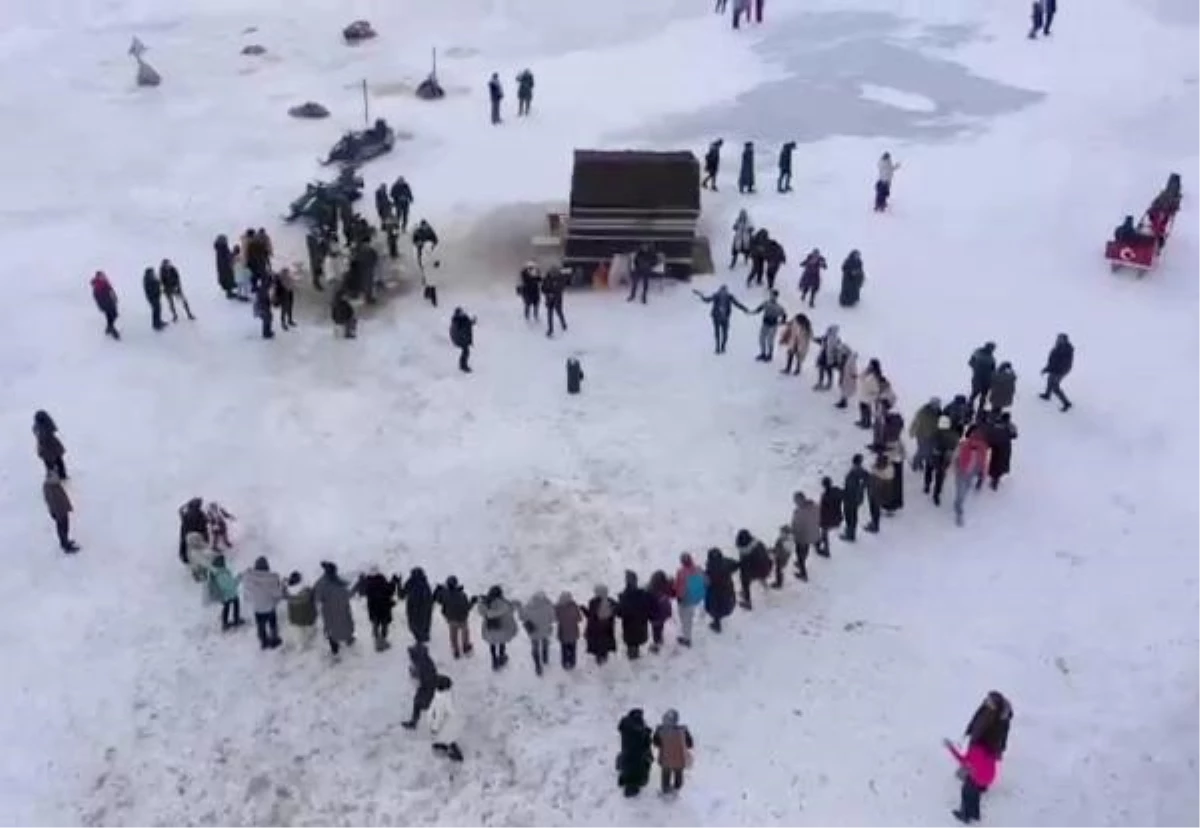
<point>499,624</point>
<point>59,506</point>
<point>569,616</point>
<point>773,315</point>
<point>806,529</point>
<point>537,617</point>
<point>262,589</point>
<point>332,596</point>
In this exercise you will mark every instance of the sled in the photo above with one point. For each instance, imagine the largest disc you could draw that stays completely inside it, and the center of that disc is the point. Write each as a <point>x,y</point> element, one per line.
<point>359,147</point>
<point>1142,255</point>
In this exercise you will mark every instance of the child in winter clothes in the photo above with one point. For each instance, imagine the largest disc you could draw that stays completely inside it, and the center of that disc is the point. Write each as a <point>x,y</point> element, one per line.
<point>568,616</point>
<point>223,588</point>
<point>444,722</point>
<point>781,553</point>
<point>979,768</point>
<point>218,525</point>
<point>301,609</point>
<point>690,588</point>
<point>661,596</point>
<point>970,463</point>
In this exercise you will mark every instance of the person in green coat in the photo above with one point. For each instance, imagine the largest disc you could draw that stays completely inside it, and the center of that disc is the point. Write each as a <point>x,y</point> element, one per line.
<point>223,589</point>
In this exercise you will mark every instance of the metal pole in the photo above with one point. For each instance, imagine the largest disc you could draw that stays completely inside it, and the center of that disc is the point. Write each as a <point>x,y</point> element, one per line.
<point>434,74</point>
<point>366,105</point>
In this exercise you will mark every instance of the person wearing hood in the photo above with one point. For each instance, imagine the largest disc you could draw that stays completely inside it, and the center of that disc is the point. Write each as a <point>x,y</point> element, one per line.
<point>723,302</point>
<point>423,236</point>
<point>773,315</point>
<point>810,276</point>
<point>720,597</point>
<point>172,286</point>
<point>1059,363</point>
<point>224,261</point>
<point>828,357</point>
<point>600,629</point>
<point>754,564</point>
<point>661,595</point>
<point>421,668</point>
<point>191,519</point>
<point>746,170</point>
<point>970,464</point>
<point>50,449</point>
<point>417,595</point>
<point>796,337</point>
<point>444,723</point>
<point>782,553</point>
<point>989,725</point>
<point>568,616</point>
<point>690,588</point>
<point>462,336</point>
<point>301,608</point>
<point>537,617</point>
<point>456,609</point>
<point>1000,436</point>
<point>853,277</point>
<point>854,488</point>
<point>58,504</point>
<point>743,234</point>
<point>983,367</point>
<point>923,429</point>
<point>941,452</point>
<point>152,288</point>
<point>380,594</point>
<point>223,589</point>
<point>806,530</point>
<point>332,596</point>
<point>636,755</point>
<point>1004,387</point>
<point>712,165</point>
<point>960,413</point>
<point>105,298</point>
<point>263,590</point>
<point>499,625</point>
<point>829,513</point>
<point>633,608</point>
<point>674,743</point>
<point>784,183</point>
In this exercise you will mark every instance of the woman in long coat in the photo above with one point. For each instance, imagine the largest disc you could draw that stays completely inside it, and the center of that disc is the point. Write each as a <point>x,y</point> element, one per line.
<point>1000,440</point>
<point>600,631</point>
<point>721,596</point>
<point>636,756</point>
<point>418,604</point>
<point>332,596</point>
<point>499,624</point>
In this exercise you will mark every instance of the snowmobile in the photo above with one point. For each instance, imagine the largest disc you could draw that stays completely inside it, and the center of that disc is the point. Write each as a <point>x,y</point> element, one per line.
<point>323,196</point>
<point>359,147</point>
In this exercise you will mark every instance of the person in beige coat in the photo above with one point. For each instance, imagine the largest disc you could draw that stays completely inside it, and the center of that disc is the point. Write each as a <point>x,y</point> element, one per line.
<point>848,383</point>
<point>795,338</point>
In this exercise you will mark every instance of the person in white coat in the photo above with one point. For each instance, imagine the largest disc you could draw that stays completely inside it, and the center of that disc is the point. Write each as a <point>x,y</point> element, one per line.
<point>444,722</point>
<point>883,183</point>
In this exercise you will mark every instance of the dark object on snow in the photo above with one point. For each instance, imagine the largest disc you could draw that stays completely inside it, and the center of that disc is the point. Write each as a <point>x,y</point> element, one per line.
<point>430,90</point>
<point>326,195</point>
<point>147,75</point>
<point>309,109</point>
<point>358,31</point>
<point>358,147</point>
<point>621,200</point>
<point>574,376</point>
<point>254,49</point>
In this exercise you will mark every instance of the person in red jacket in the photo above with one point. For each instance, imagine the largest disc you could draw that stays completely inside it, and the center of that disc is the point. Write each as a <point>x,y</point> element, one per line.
<point>979,771</point>
<point>106,301</point>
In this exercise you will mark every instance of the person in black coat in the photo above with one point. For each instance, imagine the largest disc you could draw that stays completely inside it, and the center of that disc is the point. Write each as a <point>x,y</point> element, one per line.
<point>456,609</point>
<point>852,280</point>
<point>383,204</point>
<point>495,96</point>
<point>712,165</point>
<point>418,604</point>
<point>1000,436</point>
<point>633,608</point>
<point>784,184</point>
<point>746,170</point>
<point>830,513</point>
<point>224,260</point>
<point>318,251</point>
<point>775,258</point>
<point>553,286</point>
<point>983,366</point>
<point>758,256</point>
<point>402,199</point>
<point>960,412</point>
<point>990,724</point>
<point>152,288</point>
<point>380,594</point>
<point>462,334</point>
<point>530,290</point>
<point>422,668</point>
<point>600,629</point>
<point>941,452</point>
<point>172,286</point>
<point>636,756</point>
<point>263,309</point>
<point>721,596</point>
<point>191,519</point>
<point>1058,364</point>
<point>50,449</point>
<point>423,235</point>
<point>854,489</point>
<point>723,302</point>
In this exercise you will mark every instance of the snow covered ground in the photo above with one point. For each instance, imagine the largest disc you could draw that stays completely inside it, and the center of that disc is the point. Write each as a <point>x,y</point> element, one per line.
<point>1073,590</point>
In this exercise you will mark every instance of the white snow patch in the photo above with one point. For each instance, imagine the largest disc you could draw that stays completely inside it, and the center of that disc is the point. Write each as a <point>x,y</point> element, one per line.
<point>897,98</point>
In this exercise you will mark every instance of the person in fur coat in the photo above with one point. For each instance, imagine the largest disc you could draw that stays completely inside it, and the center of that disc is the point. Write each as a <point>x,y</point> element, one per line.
<point>795,339</point>
<point>848,383</point>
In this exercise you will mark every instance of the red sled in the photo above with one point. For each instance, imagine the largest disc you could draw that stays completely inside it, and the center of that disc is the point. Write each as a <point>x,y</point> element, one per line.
<point>1140,257</point>
<point>1141,252</point>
